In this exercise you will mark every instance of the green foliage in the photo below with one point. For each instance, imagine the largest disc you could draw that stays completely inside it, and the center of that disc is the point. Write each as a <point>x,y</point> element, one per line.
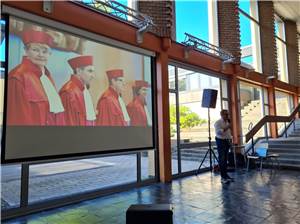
<point>188,118</point>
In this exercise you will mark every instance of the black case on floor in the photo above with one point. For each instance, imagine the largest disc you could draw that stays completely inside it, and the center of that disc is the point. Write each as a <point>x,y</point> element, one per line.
<point>149,214</point>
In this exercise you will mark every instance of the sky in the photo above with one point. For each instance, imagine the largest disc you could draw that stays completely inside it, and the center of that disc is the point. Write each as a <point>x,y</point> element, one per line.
<point>192,18</point>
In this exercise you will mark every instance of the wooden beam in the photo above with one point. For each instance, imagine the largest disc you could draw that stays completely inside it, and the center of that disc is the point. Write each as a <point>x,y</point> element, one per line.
<point>164,137</point>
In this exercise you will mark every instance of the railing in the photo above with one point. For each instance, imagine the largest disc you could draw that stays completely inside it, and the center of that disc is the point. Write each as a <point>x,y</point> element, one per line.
<point>272,119</point>
<point>120,11</point>
<point>203,46</point>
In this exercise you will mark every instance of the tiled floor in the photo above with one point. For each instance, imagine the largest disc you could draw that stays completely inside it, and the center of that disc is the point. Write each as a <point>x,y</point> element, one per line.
<point>252,198</point>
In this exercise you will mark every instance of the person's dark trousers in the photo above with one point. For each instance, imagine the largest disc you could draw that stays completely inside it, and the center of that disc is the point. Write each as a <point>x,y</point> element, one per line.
<point>223,146</point>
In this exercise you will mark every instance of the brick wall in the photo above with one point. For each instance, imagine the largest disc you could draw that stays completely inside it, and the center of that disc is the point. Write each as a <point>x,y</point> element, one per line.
<point>267,36</point>
<point>162,13</point>
<point>292,52</point>
<point>229,28</point>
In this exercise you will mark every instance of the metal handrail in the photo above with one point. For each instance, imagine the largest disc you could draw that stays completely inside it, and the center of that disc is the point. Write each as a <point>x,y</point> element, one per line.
<point>269,118</point>
<point>272,119</point>
<point>203,46</point>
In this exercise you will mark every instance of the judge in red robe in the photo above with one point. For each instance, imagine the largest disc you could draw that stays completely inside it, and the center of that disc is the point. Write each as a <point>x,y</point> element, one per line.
<point>77,101</point>
<point>137,108</point>
<point>32,96</point>
<point>111,107</point>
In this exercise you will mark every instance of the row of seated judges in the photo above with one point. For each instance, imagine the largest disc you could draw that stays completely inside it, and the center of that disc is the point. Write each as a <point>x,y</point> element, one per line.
<point>34,100</point>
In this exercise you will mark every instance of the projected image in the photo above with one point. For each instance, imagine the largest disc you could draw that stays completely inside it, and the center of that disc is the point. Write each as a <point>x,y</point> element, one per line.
<point>71,96</point>
<point>58,79</point>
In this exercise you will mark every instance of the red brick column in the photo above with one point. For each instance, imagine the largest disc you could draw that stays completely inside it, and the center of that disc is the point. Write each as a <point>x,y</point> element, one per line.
<point>229,28</point>
<point>292,52</point>
<point>267,38</point>
<point>162,13</point>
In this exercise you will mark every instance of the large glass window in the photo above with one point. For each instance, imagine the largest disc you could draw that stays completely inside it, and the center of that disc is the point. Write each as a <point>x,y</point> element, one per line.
<point>254,106</point>
<point>173,118</point>
<point>250,34</point>
<point>198,18</point>
<point>284,106</point>
<point>10,186</point>
<point>189,120</point>
<point>284,103</point>
<point>281,50</point>
<point>55,180</point>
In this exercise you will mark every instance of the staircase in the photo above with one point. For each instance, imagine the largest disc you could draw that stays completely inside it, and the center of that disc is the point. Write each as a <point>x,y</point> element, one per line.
<point>251,113</point>
<point>192,154</point>
<point>288,149</point>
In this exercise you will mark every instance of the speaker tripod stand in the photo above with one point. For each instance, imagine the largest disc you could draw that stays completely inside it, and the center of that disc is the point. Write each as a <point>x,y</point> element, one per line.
<point>209,150</point>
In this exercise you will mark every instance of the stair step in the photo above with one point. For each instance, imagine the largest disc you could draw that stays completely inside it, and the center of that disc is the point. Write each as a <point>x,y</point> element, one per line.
<point>288,155</point>
<point>289,161</point>
<point>284,142</point>
<point>284,150</point>
<point>289,166</point>
<point>285,146</point>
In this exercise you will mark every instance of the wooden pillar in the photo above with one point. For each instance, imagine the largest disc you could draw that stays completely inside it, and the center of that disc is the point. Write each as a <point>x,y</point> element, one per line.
<point>163,118</point>
<point>296,102</point>
<point>272,111</point>
<point>234,108</point>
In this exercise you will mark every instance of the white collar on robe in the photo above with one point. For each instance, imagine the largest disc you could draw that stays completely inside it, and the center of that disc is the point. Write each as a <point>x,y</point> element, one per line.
<point>124,110</point>
<point>54,99</point>
<point>89,107</point>
<point>149,119</point>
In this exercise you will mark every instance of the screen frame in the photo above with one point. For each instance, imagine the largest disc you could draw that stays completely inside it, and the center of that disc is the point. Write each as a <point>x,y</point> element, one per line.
<point>92,37</point>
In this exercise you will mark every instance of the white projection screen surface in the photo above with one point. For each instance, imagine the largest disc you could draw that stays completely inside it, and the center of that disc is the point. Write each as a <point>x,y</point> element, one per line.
<point>69,96</point>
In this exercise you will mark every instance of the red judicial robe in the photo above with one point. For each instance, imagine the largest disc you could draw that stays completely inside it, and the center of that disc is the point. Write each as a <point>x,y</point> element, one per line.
<point>27,101</point>
<point>137,112</point>
<point>73,100</point>
<point>109,109</point>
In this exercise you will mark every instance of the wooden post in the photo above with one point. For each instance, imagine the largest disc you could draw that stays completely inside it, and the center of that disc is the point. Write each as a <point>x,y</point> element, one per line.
<point>272,111</point>
<point>163,118</point>
<point>296,102</point>
<point>234,108</point>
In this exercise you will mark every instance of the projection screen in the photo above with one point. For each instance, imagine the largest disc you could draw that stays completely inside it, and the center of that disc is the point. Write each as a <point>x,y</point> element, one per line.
<point>68,95</point>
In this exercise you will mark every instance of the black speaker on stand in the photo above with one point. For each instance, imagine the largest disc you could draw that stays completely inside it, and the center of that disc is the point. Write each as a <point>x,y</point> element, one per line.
<point>209,100</point>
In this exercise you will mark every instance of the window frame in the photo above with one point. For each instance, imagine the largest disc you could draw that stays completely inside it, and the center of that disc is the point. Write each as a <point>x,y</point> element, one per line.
<point>180,145</point>
<point>255,36</point>
<point>281,50</point>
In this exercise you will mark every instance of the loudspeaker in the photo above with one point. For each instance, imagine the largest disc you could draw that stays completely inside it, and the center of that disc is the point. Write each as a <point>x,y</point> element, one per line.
<point>209,98</point>
<point>149,214</point>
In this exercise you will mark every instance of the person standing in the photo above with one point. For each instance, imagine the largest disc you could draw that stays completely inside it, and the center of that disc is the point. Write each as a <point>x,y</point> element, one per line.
<point>76,98</point>
<point>32,95</point>
<point>111,107</point>
<point>223,141</point>
<point>137,108</point>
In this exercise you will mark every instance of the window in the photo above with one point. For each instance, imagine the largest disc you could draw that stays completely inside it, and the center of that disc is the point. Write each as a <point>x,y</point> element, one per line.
<point>254,106</point>
<point>2,69</point>
<point>46,181</point>
<point>188,119</point>
<point>198,18</point>
<point>250,34</point>
<point>281,50</point>
<point>284,105</point>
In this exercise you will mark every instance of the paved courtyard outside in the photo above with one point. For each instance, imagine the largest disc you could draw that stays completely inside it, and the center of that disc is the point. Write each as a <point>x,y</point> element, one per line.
<point>55,180</point>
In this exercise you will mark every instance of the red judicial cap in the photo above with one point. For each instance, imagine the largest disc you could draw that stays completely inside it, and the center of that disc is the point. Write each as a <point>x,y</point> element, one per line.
<point>80,61</point>
<point>112,74</point>
<point>141,83</point>
<point>34,36</point>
